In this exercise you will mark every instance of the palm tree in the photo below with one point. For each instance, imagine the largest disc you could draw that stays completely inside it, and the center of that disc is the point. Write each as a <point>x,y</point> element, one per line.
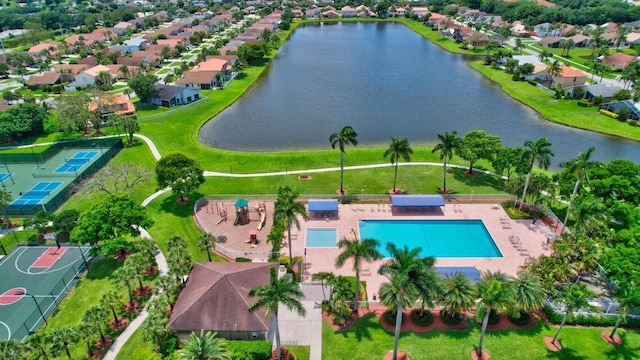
<point>139,263</point>
<point>404,270</point>
<point>206,346</point>
<point>527,293</point>
<point>359,251</point>
<point>124,70</point>
<point>428,288</point>
<point>323,276</point>
<point>86,331</point>
<point>12,349</point>
<point>579,166</point>
<point>540,151</point>
<point>283,291</point>
<point>63,338</point>
<point>628,297</point>
<point>448,143</point>
<point>39,343</point>
<point>588,213</point>
<point>496,293</point>
<point>555,68</point>
<point>345,137</point>
<point>153,328</point>
<point>288,209</point>
<point>124,276</point>
<point>458,294</point>
<point>205,241</point>
<point>166,285</point>
<point>574,297</point>
<point>111,300</point>
<point>96,315</point>
<point>398,149</point>
<point>340,294</point>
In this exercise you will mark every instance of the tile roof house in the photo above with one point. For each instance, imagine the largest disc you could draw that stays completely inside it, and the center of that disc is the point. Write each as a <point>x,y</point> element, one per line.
<point>171,95</point>
<point>619,60</point>
<point>118,104</point>
<point>569,76</point>
<point>199,79</point>
<point>216,298</point>
<point>633,38</point>
<point>607,92</point>
<point>518,29</point>
<point>47,78</point>
<point>36,49</point>
<point>88,77</point>
<point>580,40</point>
<point>551,41</point>
<point>213,64</point>
<point>349,12</point>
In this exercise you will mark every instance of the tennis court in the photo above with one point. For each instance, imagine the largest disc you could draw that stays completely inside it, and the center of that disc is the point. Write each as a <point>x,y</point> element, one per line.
<point>35,195</point>
<point>76,162</point>
<point>5,176</point>
<point>34,282</point>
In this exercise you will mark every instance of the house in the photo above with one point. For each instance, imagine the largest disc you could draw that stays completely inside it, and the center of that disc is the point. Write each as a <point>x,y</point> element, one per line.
<point>47,78</point>
<point>518,29</point>
<point>135,43</point>
<point>171,95</point>
<point>312,13</point>
<point>349,12</point>
<point>616,106</point>
<point>68,72</point>
<point>113,104</point>
<point>602,90</point>
<point>619,61</point>
<point>580,40</point>
<point>199,79</point>
<point>213,64</point>
<point>569,76</point>
<point>420,11</point>
<point>216,298</point>
<point>610,38</point>
<point>551,41</point>
<point>88,77</point>
<point>546,29</point>
<point>633,38</point>
<point>330,14</point>
<point>37,49</point>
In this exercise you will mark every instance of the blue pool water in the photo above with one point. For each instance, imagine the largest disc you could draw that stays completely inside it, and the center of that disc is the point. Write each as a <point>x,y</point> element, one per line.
<point>438,238</point>
<point>325,237</point>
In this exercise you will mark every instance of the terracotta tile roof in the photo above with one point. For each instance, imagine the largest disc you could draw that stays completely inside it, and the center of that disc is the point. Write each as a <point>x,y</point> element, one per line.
<point>75,68</point>
<point>44,46</point>
<point>566,71</point>
<point>118,104</point>
<point>212,64</point>
<point>217,298</point>
<point>48,78</point>
<point>197,77</point>
<point>94,71</point>
<point>620,59</point>
<point>123,25</point>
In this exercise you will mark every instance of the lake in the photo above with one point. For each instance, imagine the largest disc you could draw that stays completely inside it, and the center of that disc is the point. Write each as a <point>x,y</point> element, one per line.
<point>384,80</point>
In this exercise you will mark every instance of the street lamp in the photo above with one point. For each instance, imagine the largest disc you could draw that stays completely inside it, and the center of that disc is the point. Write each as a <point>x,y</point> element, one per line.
<point>471,200</point>
<point>362,197</point>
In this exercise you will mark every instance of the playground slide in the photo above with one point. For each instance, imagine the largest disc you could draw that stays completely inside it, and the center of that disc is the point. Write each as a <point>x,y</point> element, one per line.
<point>263,218</point>
<point>235,223</point>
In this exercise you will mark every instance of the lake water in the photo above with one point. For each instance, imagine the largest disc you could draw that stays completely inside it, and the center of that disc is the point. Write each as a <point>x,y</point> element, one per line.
<point>384,80</point>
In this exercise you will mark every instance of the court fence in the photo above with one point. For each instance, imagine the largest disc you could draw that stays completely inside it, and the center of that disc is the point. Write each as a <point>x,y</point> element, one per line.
<point>108,147</point>
<point>47,305</point>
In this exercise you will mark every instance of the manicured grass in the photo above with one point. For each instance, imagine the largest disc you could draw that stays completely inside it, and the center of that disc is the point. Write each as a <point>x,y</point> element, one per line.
<point>162,71</point>
<point>138,348</point>
<point>9,241</point>
<point>564,111</point>
<point>366,339</point>
<point>301,352</point>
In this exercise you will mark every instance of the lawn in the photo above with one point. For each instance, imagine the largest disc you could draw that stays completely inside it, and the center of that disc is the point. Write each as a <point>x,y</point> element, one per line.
<point>564,111</point>
<point>366,339</point>
<point>162,71</point>
<point>138,348</point>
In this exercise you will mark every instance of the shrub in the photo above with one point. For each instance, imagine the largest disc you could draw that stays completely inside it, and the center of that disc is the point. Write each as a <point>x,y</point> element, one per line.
<point>56,89</point>
<point>285,354</point>
<point>46,88</point>
<point>425,320</point>
<point>389,317</point>
<point>523,319</point>
<point>169,345</point>
<point>325,305</point>
<point>249,350</point>
<point>241,259</point>
<point>450,318</point>
<point>494,317</point>
<point>608,113</point>
<point>584,103</point>
<point>339,320</point>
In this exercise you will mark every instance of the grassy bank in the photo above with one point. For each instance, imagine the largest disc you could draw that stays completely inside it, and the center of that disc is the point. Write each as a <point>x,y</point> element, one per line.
<point>563,111</point>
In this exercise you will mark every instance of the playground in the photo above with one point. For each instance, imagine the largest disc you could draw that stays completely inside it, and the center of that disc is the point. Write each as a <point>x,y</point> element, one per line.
<point>34,282</point>
<point>240,226</point>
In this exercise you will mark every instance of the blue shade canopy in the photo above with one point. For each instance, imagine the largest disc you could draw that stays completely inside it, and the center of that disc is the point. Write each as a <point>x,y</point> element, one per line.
<point>470,271</point>
<point>323,205</point>
<point>417,200</point>
<point>241,202</point>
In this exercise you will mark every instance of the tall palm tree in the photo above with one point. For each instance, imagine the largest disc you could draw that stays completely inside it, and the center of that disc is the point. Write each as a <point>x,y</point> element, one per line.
<point>345,137</point>
<point>96,315</point>
<point>153,328</point>
<point>340,294</point>
<point>62,339</point>
<point>166,285</point>
<point>588,213</point>
<point>124,275</point>
<point>86,331</point>
<point>205,241</point>
<point>399,149</point>
<point>288,209</point>
<point>580,166</point>
<point>12,349</point>
<point>323,276</point>
<point>539,151</point>
<point>359,251</point>
<point>39,343</point>
<point>527,293</point>
<point>404,270</point>
<point>628,297</point>
<point>458,294</point>
<point>574,297</point>
<point>428,288</point>
<point>139,263</point>
<point>110,300</point>
<point>206,346</point>
<point>496,293</point>
<point>448,143</point>
<point>283,291</point>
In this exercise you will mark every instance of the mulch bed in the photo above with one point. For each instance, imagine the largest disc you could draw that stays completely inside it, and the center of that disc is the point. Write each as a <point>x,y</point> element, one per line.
<point>146,290</point>
<point>407,324</point>
<point>128,308</point>
<point>182,201</point>
<point>150,271</point>
<point>474,355</point>
<point>401,355</point>
<point>122,323</point>
<point>505,323</point>
<point>326,316</point>
<point>396,192</point>
<point>553,347</point>
<point>606,336</point>
<point>107,342</point>
<point>305,177</point>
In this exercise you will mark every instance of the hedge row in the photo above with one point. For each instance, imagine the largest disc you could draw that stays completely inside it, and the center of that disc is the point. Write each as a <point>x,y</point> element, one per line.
<point>249,350</point>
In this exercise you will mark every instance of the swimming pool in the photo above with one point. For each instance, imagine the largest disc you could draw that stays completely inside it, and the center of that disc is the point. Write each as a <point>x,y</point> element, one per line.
<point>321,237</point>
<point>438,238</point>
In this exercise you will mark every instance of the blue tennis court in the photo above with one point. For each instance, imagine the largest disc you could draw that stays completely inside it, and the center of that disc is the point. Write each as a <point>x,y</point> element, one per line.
<point>76,162</point>
<point>5,176</point>
<point>36,194</point>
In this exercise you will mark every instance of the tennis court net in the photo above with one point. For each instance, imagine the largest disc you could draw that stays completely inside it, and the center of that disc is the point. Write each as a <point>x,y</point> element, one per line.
<point>54,174</point>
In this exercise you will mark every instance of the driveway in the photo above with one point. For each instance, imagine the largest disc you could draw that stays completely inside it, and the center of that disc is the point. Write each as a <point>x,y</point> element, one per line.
<point>307,331</point>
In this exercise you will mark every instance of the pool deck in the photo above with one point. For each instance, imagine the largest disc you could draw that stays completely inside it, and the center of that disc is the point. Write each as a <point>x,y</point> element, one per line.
<point>492,215</point>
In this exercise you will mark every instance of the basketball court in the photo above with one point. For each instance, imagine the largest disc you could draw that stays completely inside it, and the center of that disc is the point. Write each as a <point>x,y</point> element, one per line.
<point>34,281</point>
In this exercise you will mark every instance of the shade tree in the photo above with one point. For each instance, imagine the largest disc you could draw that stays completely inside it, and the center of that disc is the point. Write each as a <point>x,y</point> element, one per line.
<point>118,179</point>
<point>179,172</point>
<point>144,85</point>
<point>476,145</point>
<point>508,159</point>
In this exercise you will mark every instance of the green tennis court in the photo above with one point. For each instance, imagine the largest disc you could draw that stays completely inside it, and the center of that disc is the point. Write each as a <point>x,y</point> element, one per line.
<point>34,281</point>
